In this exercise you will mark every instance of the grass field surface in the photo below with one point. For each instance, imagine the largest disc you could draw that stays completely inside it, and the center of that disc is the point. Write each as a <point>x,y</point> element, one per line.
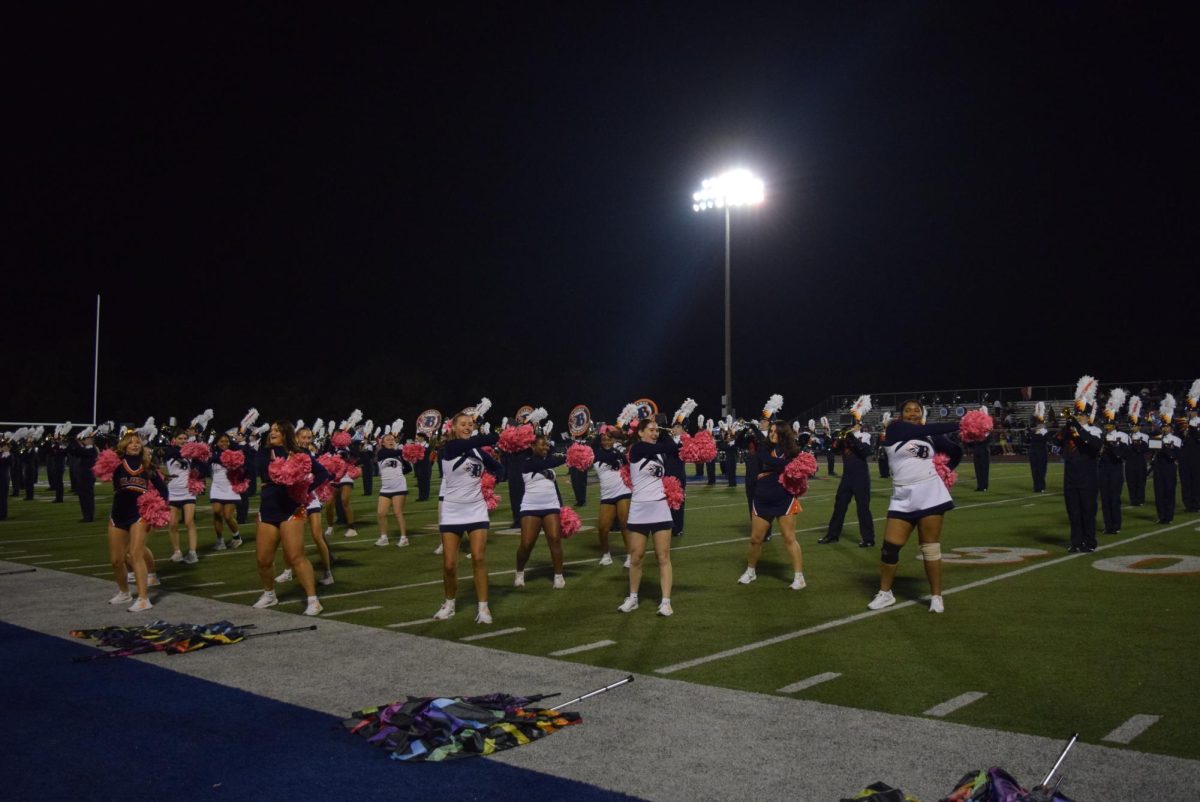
<point>1033,640</point>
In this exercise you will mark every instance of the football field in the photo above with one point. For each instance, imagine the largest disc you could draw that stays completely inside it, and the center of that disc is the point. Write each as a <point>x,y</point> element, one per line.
<point>1033,640</point>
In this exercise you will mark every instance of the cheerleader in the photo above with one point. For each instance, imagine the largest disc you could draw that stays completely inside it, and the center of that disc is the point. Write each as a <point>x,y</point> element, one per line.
<point>281,517</point>
<point>134,475</point>
<point>614,494</point>
<point>919,500</point>
<point>223,497</point>
<point>345,488</point>
<point>463,511</point>
<point>304,439</point>
<point>649,513</point>
<point>181,499</point>
<point>393,489</point>
<point>772,501</point>
<point>540,506</point>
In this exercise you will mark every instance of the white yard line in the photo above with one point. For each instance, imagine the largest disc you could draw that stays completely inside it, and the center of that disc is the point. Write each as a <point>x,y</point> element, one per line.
<point>411,623</point>
<point>950,705</point>
<point>348,612</point>
<point>201,585</point>
<point>58,562</point>
<point>1131,729</point>
<point>84,567</point>
<point>497,633</point>
<point>671,669</point>
<point>808,683</point>
<point>587,647</point>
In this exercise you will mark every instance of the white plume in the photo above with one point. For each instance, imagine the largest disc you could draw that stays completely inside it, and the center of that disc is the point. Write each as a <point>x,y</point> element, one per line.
<point>812,425</point>
<point>685,410</point>
<point>699,421</point>
<point>861,407</point>
<point>368,427</point>
<point>1039,410</point>
<point>64,428</point>
<point>1135,408</point>
<point>105,427</point>
<point>200,422</point>
<point>87,432</point>
<point>318,428</point>
<point>773,405</point>
<point>548,427</point>
<point>300,424</point>
<point>397,426</point>
<point>40,432</point>
<point>21,433</point>
<point>249,419</point>
<point>796,426</point>
<point>504,422</point>
<point>148,431</point>
<point>538,415</point>
<point>1193,395</point>
<point>628,415</point>
<point>886,419</point>
<point>261,429</point>
<point>825,424</point>
<point>709,424</point>
<point>483,406</point>
<point>1085,390</point>
<point>485,428</point>
<point>353,420</point>
<point>1166,410</point>
<point>1116,400</point>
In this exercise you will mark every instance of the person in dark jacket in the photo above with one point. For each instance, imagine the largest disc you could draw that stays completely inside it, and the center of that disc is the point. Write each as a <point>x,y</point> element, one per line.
<point>1079,444</point>
<point>854,446</point>
<point>85,452</point>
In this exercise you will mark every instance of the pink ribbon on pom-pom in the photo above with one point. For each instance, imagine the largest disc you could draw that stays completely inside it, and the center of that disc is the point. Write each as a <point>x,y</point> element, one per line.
<point>625,477</point>
<point>196,451</point>
<point>570,521</point>
<point>195,484</point>
<point>413,453</point>
<point>674,491</point>
<point>700,448</point>
<point>106,465</point>
<point>941,464</point>
<point>232,460</point>
<point>975,426</point>
<point>580,457</point>
<point>794,478</point>
<point>487,484</point>
<point>341,440</point>
<point>154,509</point>
<point>516,439</point>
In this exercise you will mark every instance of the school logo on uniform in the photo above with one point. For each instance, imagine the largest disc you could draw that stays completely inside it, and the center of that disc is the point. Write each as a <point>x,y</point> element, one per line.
<point>428,422</point>
<point>523,413</point>
<point>579,421</point>
<point>918,450</point>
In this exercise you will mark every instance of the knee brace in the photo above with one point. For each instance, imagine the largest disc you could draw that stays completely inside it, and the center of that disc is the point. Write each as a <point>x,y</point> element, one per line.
<point>889,553</point>
<point>931,551</point>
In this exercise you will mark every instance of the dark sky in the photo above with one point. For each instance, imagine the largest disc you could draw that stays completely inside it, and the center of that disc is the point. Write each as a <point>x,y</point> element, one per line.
<point>310,211</point>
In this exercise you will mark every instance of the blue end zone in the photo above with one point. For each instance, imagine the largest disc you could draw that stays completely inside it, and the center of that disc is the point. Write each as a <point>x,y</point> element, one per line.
<point>124,729</point>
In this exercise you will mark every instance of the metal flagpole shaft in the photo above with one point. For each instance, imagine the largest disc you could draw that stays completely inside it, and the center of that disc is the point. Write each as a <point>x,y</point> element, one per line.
<point>282,631</point>
<point>616,684</point>
<point>1057,763</point>
<point>728,328</point>
<point>96,364</point>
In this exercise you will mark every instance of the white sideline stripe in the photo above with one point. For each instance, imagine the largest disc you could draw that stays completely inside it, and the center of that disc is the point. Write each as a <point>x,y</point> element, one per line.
<point>411,623</point>
<point>808,683</point>
<point>83,567</point>
<point>1131,729</point>
<point>749,647</point>
<point>600,644</point>
<point>497,633</point>
<point>1030,504</point>
<point>35,556</point>
<point>355,610</point>
<point>57,562</point>
<point>237,593</point>
<point>201,585</point>
<point>949,706</point>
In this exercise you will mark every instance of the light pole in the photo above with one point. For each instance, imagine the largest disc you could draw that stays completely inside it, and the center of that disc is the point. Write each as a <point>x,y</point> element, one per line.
<point>729,189</point>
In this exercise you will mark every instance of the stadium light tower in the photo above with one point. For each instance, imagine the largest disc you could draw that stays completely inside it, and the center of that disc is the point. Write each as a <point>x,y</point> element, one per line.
<point>726,191</point>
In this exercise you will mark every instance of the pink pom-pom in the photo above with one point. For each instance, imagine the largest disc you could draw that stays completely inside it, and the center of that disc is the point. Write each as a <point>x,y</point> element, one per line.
<point>354,471</point>
<point>413,453</point>
<point>105,465</point>
<point>794,478</point>
<point>941,464</point>
<point>699,449</point>
<point>625,477</point>
<point>334,464</point>
<point>233,460</point>
<point>195,483</point>
<point>154,509</point>
<point>975,426</point>
<point>295,473</point>
<point>516,439</point>
<point>324,492</point>
<point>570,521</point>
<point>487,484</point>
<point>238,482</point>
<point>341,440</point>
<point>491,452</point>
<point>674,490</point>
<point>196,451</point>
<point>580,457</point>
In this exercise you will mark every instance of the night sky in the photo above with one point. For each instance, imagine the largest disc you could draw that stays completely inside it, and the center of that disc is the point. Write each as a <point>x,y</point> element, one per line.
<point>312,211</point>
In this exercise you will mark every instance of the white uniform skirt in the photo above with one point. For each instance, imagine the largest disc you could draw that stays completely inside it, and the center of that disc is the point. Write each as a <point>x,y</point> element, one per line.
<point>457,516</point>
<point>642,513</point>
<point>928,497</point>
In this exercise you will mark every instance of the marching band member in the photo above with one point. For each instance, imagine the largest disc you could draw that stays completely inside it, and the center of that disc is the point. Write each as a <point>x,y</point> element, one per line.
<point>281,517</point>
<point>1164,466</point>
<point>676,468</point>
<point>1039,453</point>
<point>540,509</point>
<point>393,489</point>
<point>1080,444</point>
<point>614,495</point>
<point>649,513</point>
<point>771,501</point>
<point>463,512</point>
<point>854,445</point>
<point>135,474</point>
<point>1111,469</point>
<point>1189,452</point>
<point>222,497</point>
<point>6,461</point>
<point>1135,463</point>
<point>919,501</point>
<point>181,499</point>
<point>85,453</point>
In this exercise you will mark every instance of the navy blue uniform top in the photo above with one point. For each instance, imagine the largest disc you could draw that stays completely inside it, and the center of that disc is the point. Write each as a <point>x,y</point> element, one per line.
<point>771,462</point>
<point>607,456</point>
<point>275,501</point>
<point>1080,450</point>
<point>900,432</point>
<point>130,480</point>
<point>394,453</point>
<point>640,452</point>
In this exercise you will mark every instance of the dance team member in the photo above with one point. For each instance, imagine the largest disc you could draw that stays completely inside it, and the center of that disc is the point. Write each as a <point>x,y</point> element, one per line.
<point>540,509</point>
<point>773,502</point>
<point>649,514</point>
<point>393,489</point>
<point>181,499</point>
<point>304,439</point>
<point>614,493</point>
<point>222,496</point>
<point>135,474</point>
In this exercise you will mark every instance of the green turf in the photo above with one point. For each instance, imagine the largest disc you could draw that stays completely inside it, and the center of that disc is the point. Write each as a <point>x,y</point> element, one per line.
<point>1061,648</point>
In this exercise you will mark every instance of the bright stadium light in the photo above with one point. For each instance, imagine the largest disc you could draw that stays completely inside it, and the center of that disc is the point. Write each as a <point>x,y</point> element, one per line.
<point>728,190</point>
